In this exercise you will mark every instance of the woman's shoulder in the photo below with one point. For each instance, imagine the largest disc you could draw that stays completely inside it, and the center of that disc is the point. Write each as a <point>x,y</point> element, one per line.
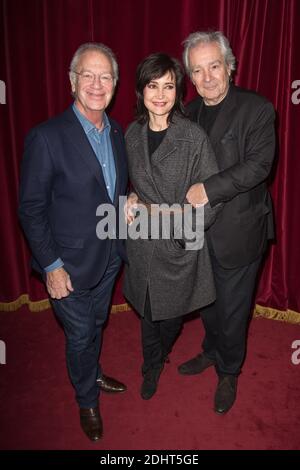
<point>133,130</point>
<point>189,128</point>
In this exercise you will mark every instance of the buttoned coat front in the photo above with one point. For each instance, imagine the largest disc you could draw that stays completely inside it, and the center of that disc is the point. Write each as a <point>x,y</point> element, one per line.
<point>179,280</point>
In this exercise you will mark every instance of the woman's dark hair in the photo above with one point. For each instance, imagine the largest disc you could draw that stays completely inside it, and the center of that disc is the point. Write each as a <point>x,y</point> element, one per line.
<point>156,66</point>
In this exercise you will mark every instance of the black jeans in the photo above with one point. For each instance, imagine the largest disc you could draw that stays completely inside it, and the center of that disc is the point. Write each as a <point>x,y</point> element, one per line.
<point>158,337</point>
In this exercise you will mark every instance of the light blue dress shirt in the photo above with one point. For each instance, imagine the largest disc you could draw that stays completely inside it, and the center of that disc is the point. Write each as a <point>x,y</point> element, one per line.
<point>101,144</point>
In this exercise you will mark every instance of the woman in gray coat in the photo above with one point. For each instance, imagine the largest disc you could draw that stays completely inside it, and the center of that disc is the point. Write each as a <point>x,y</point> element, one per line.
<point>167,154</point>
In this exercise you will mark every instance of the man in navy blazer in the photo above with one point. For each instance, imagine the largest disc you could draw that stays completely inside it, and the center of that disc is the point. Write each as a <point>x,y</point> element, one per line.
<point>240,124</point>
<point>72,164</point>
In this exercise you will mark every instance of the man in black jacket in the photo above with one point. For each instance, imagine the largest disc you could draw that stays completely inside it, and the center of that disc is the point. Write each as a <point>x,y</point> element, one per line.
<point>240,124</point>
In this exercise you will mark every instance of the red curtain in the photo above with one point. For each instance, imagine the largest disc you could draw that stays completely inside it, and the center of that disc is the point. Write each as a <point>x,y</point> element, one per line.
<point>38,38</point>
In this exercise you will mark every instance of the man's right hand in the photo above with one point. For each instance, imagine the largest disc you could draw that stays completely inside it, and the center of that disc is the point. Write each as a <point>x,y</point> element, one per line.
<point>58,283</point>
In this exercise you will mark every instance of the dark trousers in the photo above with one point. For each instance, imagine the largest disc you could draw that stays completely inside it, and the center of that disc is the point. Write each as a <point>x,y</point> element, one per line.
<point>157,337</point>
<point>226,320</point>
<point>83,314</point>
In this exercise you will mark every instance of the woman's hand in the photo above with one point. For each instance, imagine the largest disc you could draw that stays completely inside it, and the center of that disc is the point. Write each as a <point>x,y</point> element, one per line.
<point>130,205</point>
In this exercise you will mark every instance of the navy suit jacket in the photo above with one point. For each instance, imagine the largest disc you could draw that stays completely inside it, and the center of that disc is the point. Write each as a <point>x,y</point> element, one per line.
<point>62,185</point>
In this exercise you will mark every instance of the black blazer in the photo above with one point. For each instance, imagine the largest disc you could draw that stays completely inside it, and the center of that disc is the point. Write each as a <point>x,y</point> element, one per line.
<point>243,139</point>
<point>62,185</point>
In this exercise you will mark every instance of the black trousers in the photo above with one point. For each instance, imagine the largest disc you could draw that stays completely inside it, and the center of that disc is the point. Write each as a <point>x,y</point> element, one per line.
<point>226,320</point>
<point>158,337</point>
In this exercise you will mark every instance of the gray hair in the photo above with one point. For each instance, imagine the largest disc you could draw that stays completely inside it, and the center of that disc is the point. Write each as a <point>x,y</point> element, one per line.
<point>98,47</point>
<point>207,37</point>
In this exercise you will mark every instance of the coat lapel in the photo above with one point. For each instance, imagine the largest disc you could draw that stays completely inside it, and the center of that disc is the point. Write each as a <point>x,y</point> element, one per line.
<point>116,148</point>
<point>77,137</point>
<point>142,151</point>
<point>166,148</point>
<point>145,150</point>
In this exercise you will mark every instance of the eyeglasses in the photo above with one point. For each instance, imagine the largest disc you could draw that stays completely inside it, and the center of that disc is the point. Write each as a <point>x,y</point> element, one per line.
<point>90,77</point>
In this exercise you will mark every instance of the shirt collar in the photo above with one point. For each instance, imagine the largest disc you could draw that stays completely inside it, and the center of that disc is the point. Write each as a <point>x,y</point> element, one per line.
<point>87,125</point>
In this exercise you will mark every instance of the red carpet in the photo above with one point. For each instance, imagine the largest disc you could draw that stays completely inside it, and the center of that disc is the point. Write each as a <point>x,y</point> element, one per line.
<point>38,410</point>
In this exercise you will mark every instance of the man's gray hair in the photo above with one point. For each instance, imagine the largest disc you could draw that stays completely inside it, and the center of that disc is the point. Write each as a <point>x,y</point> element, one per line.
<point>98,47</point>
<point>205,37</point>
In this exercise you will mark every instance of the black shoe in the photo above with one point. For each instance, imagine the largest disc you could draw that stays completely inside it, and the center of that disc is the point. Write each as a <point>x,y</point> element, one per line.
<point>196,365</point>
<point>150,382</point>
<point>225,394</point>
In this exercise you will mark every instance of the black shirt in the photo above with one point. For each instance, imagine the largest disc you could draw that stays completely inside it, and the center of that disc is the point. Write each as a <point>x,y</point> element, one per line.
<point>209,115</point>
<point>155,138</point>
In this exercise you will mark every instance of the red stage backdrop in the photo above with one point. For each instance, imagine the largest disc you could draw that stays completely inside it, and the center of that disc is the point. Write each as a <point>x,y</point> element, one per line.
<point>38,38</point>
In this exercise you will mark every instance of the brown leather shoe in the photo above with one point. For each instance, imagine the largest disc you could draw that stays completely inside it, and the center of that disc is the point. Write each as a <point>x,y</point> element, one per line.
<point>110,385</point>
<point>91,423</point>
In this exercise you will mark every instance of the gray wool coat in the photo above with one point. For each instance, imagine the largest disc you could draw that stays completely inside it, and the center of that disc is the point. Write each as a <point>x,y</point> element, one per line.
<point>179,280</point>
